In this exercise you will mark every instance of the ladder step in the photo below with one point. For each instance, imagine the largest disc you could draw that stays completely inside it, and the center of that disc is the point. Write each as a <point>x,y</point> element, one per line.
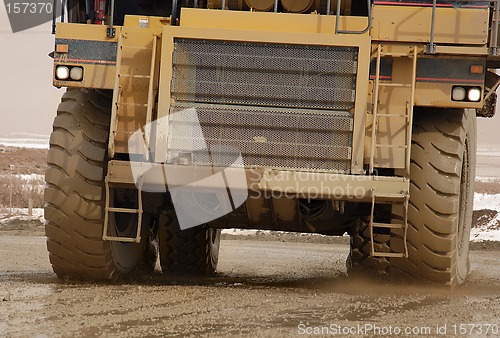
<point>388,225</point>
<point>131,104</point>
<point>124,132</point>
<point>122,239</point>
<point>395,54</point>
<point>380,145</point>
<point>389,254</point>
<point>390,84</point>
<point>135,47</point>
<point>392,115</point>
<point>391,196</point>
<point>124,210</point>
<point>135,76</point>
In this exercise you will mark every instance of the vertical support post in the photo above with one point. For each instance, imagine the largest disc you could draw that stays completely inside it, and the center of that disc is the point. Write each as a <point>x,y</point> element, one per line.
<point>111,31</point>
<point>337,16</point>
<point>372,248</point>
<point>494,44</point>
<point>54,15</point>
<point>11,167</point>
<point>431,47</point>
<point>409,113</point>
<point>375,109</point>
<point>63,5</point>
<point>30,207</point>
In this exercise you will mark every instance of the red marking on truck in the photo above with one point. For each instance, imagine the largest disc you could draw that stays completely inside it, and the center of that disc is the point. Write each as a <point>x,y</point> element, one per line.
<point>65,60</point>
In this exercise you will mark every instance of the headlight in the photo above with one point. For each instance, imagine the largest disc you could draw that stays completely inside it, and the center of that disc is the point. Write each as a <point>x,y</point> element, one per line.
<point>62,72</point>
<point>458,94</point>
<point>474,94</point>
<point>76,73</point>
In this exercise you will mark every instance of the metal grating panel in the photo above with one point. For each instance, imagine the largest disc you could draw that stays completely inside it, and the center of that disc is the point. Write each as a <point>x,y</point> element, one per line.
<point>266,137</point>
<point>260,74</point>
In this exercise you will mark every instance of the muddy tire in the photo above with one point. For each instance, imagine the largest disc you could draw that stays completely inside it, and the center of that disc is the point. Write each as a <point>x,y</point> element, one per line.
<point>443,171</point>
<point>75,196</point>
<point>193,251</point>
<point>360,262</point>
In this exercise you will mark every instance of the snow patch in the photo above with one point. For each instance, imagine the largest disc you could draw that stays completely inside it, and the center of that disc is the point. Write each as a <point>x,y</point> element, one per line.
<point>25,140</point>
<point>29,177</point>
<point>487,201</point>
<point>487,179</point>
<point>24,143</point>
<point>20,214</point>
<point>488,231</point>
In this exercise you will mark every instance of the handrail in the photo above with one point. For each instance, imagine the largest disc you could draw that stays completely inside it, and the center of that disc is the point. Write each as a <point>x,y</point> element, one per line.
<point>54,16</point>
<point>493,50</point>
<point>340,31</point>
<point>111,31</point>
<point>174,14</point>
<point>431,47</point>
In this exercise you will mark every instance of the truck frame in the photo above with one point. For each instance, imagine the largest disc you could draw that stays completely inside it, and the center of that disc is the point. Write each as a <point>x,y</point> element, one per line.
<point>328,117</point>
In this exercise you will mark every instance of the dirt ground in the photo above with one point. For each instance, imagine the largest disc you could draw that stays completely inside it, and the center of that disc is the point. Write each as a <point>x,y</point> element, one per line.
<point>264,288</point>
<point>268,285</point>
<point>24,160</point>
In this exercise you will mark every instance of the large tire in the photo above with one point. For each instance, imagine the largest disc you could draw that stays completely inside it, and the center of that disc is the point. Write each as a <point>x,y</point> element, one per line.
<point>75,194</point>
<point>360,261</point>
<point>442,173</point>
<point>193,251</point>
<point>441,197</point>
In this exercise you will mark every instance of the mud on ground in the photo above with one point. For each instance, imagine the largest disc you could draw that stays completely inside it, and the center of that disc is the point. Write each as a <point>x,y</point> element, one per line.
<point>265,288</point>
<point>267,285</point>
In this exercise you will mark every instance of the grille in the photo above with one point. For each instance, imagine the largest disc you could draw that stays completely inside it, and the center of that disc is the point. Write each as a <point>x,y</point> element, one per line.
<point>265,137</point>
<point>316,77</point>
<point>281,106</point>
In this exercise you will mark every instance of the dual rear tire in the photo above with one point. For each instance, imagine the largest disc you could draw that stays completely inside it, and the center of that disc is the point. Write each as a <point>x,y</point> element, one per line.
<point>75,204</point>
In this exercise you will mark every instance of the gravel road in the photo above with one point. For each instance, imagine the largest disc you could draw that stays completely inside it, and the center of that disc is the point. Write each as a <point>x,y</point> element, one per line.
<point>264,288</point>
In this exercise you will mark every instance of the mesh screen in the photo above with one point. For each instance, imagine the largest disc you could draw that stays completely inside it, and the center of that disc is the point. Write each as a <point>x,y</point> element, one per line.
<point>279,75</point>
<point>266,137</point>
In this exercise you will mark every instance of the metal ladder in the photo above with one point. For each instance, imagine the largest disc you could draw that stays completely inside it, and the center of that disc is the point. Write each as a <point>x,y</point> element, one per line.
<point>111,209</point>
<point>133,94</point>
<point>135,85</point>
<point>403,197</point>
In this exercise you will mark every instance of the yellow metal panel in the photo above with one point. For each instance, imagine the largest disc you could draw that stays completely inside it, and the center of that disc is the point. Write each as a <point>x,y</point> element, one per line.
<point>132,84</point>
<point>78,31</point>
<point>142,21</point>
<point>413,24</point>
<point>391,129</point>
<point>270,22</point>
<point>439,95</point>
<point>360,41</point>
<point>296,184</point>
<point>94,76</point>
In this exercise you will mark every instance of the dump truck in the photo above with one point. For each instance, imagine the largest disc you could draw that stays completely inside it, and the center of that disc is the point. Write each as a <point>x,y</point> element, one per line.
<point>330,117</point>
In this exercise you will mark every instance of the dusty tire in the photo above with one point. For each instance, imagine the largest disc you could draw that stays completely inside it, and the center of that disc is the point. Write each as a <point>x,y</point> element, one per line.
<point>442,175</point>
<point>74,193</point>
<point>193,251</point>
<point>360,262</point>
<point>441,197</point>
